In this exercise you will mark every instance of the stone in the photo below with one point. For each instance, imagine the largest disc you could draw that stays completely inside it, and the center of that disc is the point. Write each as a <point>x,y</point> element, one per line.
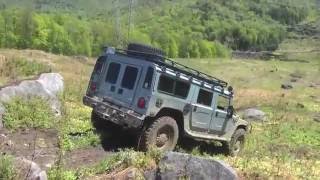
<point>47,86</point>
<point>29,170</point>
<point>129,173</point>
<point>286,86</point>
<point>253,114</point>
<point>185,166</point>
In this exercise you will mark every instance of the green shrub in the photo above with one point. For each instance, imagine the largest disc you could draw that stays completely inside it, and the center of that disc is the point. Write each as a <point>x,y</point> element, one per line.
<point>7,171</point>
<point>31,113</point>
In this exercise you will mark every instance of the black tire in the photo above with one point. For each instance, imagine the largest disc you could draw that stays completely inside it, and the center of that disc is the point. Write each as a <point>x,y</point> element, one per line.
<point>235,146</point>
<point>139,49</point>
<point>162,134</point>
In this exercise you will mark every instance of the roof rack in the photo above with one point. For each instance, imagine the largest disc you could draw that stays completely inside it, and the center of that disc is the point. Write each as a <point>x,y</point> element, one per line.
<point>169,63</point>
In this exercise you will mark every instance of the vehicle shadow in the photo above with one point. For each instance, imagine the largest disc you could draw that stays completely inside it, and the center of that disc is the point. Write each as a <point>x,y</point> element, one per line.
<point>189,145</point>
<point>117,141</point>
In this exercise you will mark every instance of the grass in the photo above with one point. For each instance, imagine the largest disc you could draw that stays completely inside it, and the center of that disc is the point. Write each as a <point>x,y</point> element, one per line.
<point>284,147</point>
<point>28,113</point>
<point>15,69</point>
<point>7,170</point>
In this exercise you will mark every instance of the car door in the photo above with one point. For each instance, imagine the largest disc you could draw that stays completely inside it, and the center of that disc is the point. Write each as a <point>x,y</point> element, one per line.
<point>219,120</point>
<point>201,110</point>
<point>121,81</point>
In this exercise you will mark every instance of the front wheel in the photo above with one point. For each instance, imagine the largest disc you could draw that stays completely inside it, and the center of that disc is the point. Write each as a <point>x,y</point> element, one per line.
<point>162,134</point>
<point>235,146</point>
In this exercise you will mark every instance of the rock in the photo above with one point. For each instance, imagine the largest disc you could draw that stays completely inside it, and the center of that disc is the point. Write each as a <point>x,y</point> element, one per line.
<point>29,170</point>
<point>316,118</point>
<point>185,166</point>
<point>254,115</point>
<point>47,86</point>
<point>286,86</point>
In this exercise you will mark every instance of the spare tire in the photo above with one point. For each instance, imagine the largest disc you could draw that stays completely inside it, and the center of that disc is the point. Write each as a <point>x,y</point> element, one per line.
<point>145,50</point>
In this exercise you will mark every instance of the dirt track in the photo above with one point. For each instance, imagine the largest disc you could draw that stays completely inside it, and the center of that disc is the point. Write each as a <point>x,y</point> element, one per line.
<point>41,146</point>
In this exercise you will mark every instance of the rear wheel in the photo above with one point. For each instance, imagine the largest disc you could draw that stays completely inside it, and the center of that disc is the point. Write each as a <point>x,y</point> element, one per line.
<point>162,134</point>
<point>235,146</point>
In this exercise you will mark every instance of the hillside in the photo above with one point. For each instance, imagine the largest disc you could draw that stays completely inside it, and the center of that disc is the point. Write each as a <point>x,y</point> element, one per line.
<point>182,28</point>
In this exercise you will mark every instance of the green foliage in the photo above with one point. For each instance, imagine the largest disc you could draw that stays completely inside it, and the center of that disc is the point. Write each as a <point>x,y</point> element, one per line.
<point>31,113</point>
<point>189,29</point>
<point>57,173</point>
<point>7,170</point>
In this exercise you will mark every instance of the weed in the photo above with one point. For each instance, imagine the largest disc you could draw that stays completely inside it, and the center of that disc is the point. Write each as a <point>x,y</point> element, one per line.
<point>7,170</point>
<point>31,113</point>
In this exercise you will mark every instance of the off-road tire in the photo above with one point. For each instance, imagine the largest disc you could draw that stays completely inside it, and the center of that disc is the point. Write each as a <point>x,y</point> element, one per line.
<point>135,48</point>
<point>154,134</point>
<point>235,146</point>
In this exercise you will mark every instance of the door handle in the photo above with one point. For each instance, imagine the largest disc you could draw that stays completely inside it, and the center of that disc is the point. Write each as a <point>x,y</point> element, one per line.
<point>217,114</point>
<point>195,108</point>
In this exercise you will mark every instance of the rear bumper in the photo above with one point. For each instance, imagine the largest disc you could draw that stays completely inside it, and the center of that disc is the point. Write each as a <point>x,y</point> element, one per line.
<point>118,115</point>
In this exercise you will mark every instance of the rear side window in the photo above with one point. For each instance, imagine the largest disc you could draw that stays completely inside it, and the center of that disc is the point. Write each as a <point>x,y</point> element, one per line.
<point>99,64</point>
<point>113,73</point>
<point>148,79</point>
<point>205,97</point>
<point>173,87</point>
<point>129,77</point>
<point>223,103</point>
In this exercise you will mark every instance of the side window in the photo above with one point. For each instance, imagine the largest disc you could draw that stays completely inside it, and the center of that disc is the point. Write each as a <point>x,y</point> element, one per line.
<point>166,84</point>
<point>129,77</point>
<point>181,89</point>
<point>113,73</point>
<point>173,87</point>
<point>222,103</point>
<point>99,64</point>
<point>205,97</point>
<point>148,79</point>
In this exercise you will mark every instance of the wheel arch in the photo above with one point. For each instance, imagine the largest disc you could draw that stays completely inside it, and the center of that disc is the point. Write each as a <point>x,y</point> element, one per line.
<point>176,114</point>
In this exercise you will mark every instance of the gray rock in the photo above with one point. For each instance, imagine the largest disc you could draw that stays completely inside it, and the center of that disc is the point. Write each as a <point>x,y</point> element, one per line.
<point>286,86</point>
<point>29,170</point>
<point>48,86</point>
<point>184,166</point>
<point>254,115</point>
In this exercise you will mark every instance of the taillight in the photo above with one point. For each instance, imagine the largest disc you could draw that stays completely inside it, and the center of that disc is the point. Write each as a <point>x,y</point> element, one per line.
<point>141,103</point>
<point>93,87</point>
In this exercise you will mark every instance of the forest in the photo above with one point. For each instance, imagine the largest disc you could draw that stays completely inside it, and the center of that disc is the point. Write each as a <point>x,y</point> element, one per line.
<point>186,29</point>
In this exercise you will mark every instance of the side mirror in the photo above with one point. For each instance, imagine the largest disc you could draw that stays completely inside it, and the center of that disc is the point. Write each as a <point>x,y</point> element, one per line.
<point>230,111</point>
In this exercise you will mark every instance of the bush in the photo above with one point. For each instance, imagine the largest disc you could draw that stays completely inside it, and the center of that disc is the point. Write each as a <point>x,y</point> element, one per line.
<point>7,171</point>
<point>31,113</point>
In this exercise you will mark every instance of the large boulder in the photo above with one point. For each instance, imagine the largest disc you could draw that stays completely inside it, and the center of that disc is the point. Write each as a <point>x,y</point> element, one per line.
<point>46,86</point>
<point>29,170</point>
<point>253,114</point>
<point>185,166</point>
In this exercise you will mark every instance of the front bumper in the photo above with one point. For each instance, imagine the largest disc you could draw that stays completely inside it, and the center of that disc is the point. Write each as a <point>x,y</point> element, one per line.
<point>116,114</point>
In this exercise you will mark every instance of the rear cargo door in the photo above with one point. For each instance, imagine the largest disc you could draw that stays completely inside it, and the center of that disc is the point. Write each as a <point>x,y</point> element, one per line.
<point>121,81</point>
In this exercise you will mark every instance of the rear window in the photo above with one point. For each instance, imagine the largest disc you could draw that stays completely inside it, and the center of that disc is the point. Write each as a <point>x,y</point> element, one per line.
<point>148,80</point>
<point>173,87</point>
<point>129,77</point>
<point>113,73</point>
